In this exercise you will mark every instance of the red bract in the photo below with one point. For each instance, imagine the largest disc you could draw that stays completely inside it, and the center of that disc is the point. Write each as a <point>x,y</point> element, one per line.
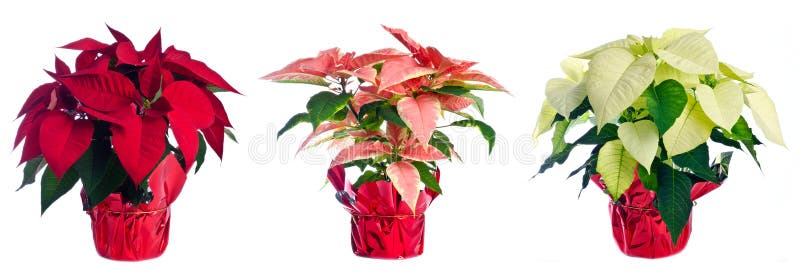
<point>134,97</point>
<point>385,109</point>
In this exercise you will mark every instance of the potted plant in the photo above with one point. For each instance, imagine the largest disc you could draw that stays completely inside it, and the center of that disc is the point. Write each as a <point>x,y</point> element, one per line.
<point>654,104</point>
<point>107,124</point>
<point>381,110</point>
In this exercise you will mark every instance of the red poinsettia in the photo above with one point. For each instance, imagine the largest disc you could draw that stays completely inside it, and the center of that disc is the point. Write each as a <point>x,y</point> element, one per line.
<point>134,97</point>
<point>383,107</point>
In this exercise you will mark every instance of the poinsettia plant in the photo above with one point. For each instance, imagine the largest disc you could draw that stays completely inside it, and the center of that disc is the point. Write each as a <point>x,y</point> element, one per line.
<point>107,122</point>
<point>382,108</point>
<point>654,103</point>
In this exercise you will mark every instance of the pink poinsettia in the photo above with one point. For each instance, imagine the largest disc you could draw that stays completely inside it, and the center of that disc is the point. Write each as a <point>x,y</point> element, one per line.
<point>134,97</point>
<point>389,103</point>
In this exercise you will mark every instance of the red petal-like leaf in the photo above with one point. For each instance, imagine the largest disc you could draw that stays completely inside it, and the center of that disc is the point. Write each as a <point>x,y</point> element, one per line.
<point>29,129</point>
<point>396,134</point>
<point>181,62</point>
<point>367,74</point>
<point>105,92</point>
<point>419,152</point>
<point>85,44</point>
<point>219,109</point>
<point>27,125</point>
<point>190,100</point>
<point>362,97</point>
<point>405,178</point>
<point>322,128</point>
<point>63,140</point>
<point>186,134</point>
<point>85,60</point>
<point>168,177</point>
<point>447,65</point>
<point>117,35</point>
<point>126,54</point>
<point>150,80</point>
<point>420,115</point>
<point>153,48</point>
<point>477,76</point>
<point>139,143</point>
<point>366,134</point>
<point>454,103</point>
<point>400,69</point>
<point>375,57</point>
<point>307,70</point>
<point>419,52</point>
<point>61,67</point>
<point>215,137</point>
<point>361,150</point>
<point>40,95</point>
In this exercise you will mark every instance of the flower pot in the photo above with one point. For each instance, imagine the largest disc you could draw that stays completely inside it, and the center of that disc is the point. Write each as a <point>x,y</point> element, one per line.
<point>382,225</point>
<point>637,225</point>
<point>125,232</point>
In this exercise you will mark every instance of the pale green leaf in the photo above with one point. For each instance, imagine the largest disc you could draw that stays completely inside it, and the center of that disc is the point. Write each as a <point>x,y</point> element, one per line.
<point>545,120</point>
<point>723,104</point>
<point>621,43</point>
<point>615,80</point>
<point>691,53</point>
<point>574,68</point>
<point>565,95</point>
<point>665,72</point>
<point>617,167</point>
<point>673,34</point>
<point>690,129</point>
<point>764,112</point>
<point>641,140</point>
<point>734,72</point>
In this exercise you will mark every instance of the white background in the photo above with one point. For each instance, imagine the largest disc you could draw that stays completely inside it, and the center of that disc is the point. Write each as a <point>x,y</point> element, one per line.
<point>262,208</point>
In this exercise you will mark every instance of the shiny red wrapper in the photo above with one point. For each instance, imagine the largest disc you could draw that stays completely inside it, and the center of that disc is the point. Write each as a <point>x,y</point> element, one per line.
<point>382,225</point>
<point>127,232</point>
<point>637,225</point>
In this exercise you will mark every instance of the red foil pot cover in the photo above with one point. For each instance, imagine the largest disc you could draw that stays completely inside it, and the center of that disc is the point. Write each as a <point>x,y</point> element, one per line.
<point>127,232</point>
<point>637,225</point>
<point>382,225</point>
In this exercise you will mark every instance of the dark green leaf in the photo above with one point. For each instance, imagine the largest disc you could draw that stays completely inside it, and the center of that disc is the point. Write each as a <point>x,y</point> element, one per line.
<point>32,167</point>
<point>452,90</point>
<point>213,89</point>
<point>361,163</point>
<point>427,177</point>
<point>367,176</point>
<point>696,161</point>
<point>741,131</point>
<point>478,101</point>
<point>441,142</point>
<point>294,121</point>
<point>554,158</point>
<point>369,108</point>
<point>673,199</point>
<point>649,180</point>
<point>718,136</point>
<point>591,137</point>
<point>322,106</point>
<point>230,135</point>
<point>201,152</point>
<point>486,130</point>
<point>341,114</point>
<point>591,169</point>
<point>665,103</point>
<point>721,167</point>
<point>113,178</point>
<point>389,113</point>
<point>52,188</point>
<point>577,112</point>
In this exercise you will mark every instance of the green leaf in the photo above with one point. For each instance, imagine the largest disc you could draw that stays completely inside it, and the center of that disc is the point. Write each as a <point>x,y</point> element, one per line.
<point>213,89</point>
<point>201,152</point>
<point>230,135</point>
<point>649,180</point>
<point>741,131</point>
<point>32,167</point>
<point>617,167</point>
<point>294,121</point>
<point>441,142</point>
<point>322,106</point>
<point>721,165</point>
<point>100,171</point>
<point>691,53</point>
<point>640,140</point>
<point>673,199</point>
<point>369,108</point>
<point>52,188</point>
<point>114,177</point>
<point>665,103</point>
<point>592,137</point>
<point>723,104</point>
<point>427,177</point>
<point>764,112</point>
<point>452,90</point>
<point>558,140</point>
<point>555,158</point>
<point>691,129</point>
<point>718,136</point>
<point>616,78</point>
<point>389,113</point>
<point>340,115</point>
<point>478,101</point>
<point>486,130</point>
<point>367,176</point>
<point>696,161</point>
